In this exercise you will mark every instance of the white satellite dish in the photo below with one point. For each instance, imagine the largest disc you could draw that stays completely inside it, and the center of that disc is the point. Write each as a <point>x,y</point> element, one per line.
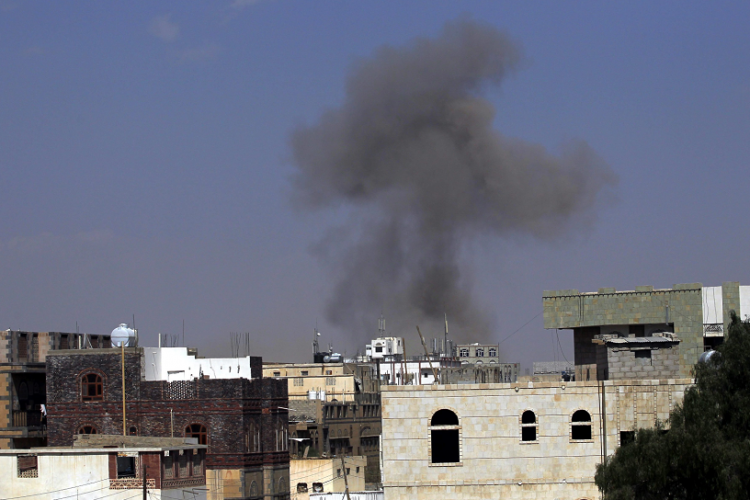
<point>122,335</point>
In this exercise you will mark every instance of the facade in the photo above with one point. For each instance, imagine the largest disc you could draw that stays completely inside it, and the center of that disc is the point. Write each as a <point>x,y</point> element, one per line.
<point>172,469</point>
<point>385,348</point>
<point>324,381</point>
<point>242,421</point>
<point>537,438</point>
<point>698,316</point>
<point>417,370</point>
<point>324,475</point>
<point>22,382</point>
<point>478,353</point>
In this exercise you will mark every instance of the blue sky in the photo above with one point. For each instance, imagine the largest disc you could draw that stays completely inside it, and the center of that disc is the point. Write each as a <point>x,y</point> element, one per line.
<point>145,158</point>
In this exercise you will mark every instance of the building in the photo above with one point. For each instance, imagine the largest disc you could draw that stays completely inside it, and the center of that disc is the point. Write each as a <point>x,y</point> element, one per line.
<point>542,439</point>
<point>324,381</point>
<point>243,421</point>
<point>22,382</point>
<point>384,348</point>
<point>99,468</point>
<point>478,353</point>
<point>325,475</point>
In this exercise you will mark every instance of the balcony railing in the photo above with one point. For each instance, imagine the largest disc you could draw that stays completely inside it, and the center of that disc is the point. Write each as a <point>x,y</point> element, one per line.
<point>31,418</point>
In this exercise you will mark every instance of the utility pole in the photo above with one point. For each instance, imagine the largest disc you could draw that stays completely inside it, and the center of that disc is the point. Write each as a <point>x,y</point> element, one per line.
<point>144,476</point>
<point>124,431</point>
<point>346,480</point>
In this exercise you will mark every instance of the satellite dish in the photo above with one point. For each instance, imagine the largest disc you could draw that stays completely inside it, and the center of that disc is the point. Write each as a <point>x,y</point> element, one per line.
<point>122,335</point>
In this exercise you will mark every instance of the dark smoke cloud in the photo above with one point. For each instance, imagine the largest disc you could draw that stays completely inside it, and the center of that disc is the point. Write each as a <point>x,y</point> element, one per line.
<point>413,148</point>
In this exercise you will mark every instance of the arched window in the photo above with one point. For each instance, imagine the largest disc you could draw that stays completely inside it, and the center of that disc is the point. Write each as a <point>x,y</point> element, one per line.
<point>92,387</point>
<point>197,431</point>
<point>493,352</point>
<point>581,425</point>
<point>464,353</point>
<point>88,429</point>
<point>133,431</point>
<point>480,352</point>
<point>528,426</point>
<point>444,437</point>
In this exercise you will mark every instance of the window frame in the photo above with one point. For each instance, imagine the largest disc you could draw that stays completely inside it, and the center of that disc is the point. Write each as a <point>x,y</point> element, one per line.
<point>84,384</point>
<point>534,425</point>
<point>581,423</point>
<point>432,428</point>
<point>201,432</point>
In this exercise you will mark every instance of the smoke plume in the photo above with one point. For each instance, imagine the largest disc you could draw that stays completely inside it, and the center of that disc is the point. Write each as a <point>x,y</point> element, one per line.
<point>413,150</point>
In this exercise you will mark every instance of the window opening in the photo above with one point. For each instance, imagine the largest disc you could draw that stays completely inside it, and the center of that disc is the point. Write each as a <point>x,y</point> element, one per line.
<point>528,426</point>
<point>28,466</point>
<point>581,428</point>
<point>88,429</point>
<point>91,387</point>
<point>464,353</point>
<point>301,487</point>
<point>304,374</point>
<point>197,431</point>
<point>444,436</point>
<point>480,352</point>
<point>493,352</point>
<point>133,431</point>
<point>318,487</point>
<point>627,437</point>
<point>125,467</point>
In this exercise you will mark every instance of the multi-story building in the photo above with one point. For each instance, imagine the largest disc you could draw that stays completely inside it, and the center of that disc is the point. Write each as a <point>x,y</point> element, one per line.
<point>478,353</point>
<point>243,421</point>
<point>22,382</point>
<point>543,439</point>
<point>326,475</point>
<point>324,381</point>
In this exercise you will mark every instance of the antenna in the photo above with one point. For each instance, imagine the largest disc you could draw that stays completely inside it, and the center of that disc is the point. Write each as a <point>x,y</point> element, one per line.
<point>381,325</point>
<point>445,346</point>
<point>316,334</point>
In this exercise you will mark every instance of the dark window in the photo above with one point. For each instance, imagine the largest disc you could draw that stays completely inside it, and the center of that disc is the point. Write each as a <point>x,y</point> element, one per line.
<point>627,437</point>
<point>528,426</point>
<point>197,431</point>
<point>581,428</point>
<point>125,467</point>
<point>464,353</point>
<point>480,352</point>
<point>444,417</point>
<point>301,487</point>
<point>133,431</point>
<point>88,429</point>
<point>91,387</point>
<point>318,487</point>
<point>304,374</point>
<point>64,342</point>
<point>645,354</point>
<point>378,349</point>
<point>444,434</point>
<point>23,347</point>
<point>493,352</point>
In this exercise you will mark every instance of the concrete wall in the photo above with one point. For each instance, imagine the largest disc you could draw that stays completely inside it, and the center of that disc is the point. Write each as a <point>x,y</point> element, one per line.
<point>681,306</point>
<point>494,461</point>
<point>663,364</point>
<point>174,363</point>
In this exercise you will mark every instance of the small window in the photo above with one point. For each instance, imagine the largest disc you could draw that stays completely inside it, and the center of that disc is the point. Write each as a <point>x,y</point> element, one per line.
<point>643,358</point>
<point>480,352</point>
<point>329,372</point>
<point>277,374</point>
<point>305,373</point>
<point>197,431</point>
<point>581,426</point>
<point>301,487</point>
<point>357,470</point>
<point>299,382</point>
<point>28,466</point>
<point>330,380</point>
<point>444,437</point>
<point>528,426</point>
<point>493,352</point>
<point>379,349</point>
<point>133,431</point>
<point>125,467</point>
<point>338,471</point>
<point>88,429</point>
<point>318,487</point>
<point>464,353</point>
<point>627,437</point>
<point>92,387</point>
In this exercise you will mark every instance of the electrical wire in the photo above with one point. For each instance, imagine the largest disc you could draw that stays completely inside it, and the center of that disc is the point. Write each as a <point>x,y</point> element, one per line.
<point>521,327</point>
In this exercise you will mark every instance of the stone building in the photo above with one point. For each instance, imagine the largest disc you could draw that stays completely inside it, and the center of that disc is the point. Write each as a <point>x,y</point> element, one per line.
<point>633,351</point>
<point>22,381</point>
<point>478,354</point>
<point>242,420</point>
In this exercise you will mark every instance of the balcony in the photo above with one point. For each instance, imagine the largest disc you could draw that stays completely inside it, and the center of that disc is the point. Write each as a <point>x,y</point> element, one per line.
<point>32,418</point>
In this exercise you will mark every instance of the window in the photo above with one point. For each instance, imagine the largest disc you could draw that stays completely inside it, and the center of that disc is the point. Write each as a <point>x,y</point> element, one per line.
<point>125,467</point>
<point>627,437</point>
<point>301,487</point>
<point>330,381</point>
<point>493,352</point>
<point>643,357</point>
<point>444,437</point>
<point>581,425</point>
<point>298,382</point>
<point>23,347</point>
<point>338,472</point>
<point>305,373</point>
<point>197,431</point>
<point>379,349</point>
<point>91,387</point>
<point>480,352</point>
<point>318,487</point>
<point>528,426</point>
<point>464,353</point>
<point>197,464</point>
<point>133,431</point>
<point>88,429</point>
<point>277,374</point>
<point>329,372</point>
<point>28,466</point>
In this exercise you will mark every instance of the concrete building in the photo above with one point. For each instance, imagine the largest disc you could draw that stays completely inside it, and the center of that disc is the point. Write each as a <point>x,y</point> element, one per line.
<point>22,382</point>
<point>106,468</point>
<point>243,421</point>
<point>478,353</point>
<point>324,381</point>
<point>181,363</point>
<point>384,348</point>
<point>633,353</point>
<point>325,475</point>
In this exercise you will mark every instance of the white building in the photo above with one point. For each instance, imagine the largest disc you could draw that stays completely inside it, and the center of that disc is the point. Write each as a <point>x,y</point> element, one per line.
<point>384,347</point>
<point>176,363</point>
<point>325,475</point>
<point>169,470</point>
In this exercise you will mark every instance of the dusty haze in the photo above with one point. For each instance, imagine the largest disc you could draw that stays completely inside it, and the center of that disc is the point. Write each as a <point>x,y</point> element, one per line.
<point>413,149</point>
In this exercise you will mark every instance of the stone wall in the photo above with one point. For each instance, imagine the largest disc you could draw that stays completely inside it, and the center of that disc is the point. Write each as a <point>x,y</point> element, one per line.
<point>494,460</point>
<point>664,363</point>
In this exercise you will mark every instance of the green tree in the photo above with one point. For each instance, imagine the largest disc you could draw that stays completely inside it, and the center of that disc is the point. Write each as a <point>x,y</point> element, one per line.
<point>705,454</point>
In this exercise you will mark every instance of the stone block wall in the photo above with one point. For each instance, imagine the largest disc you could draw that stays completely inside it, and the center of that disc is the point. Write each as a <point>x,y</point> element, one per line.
<point>663,364</point>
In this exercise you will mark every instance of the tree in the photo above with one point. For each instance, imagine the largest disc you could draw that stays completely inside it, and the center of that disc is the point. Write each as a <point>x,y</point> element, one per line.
<point>705,454</point>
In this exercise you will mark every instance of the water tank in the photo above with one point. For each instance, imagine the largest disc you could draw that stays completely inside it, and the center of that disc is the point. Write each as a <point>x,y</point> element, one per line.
<point>706,356</point>
<point>322,395</point>
<point>123,334</point>
<point>312,395</point>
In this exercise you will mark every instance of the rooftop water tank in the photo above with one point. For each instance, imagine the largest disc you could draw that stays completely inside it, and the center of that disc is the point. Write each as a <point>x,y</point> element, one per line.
<point>123,334</point>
